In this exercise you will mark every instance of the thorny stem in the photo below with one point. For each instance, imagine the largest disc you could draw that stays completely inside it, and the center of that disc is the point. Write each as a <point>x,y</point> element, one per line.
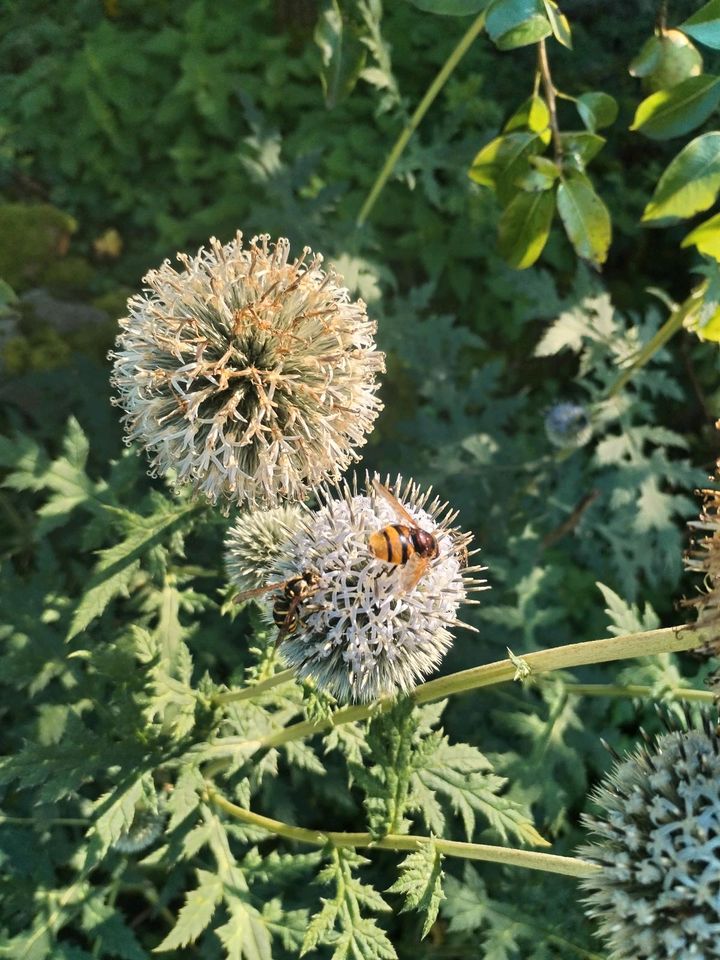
<point>647,643</point>
<point>549,87</point>
<point>532,860</point>
<point>422,108</point>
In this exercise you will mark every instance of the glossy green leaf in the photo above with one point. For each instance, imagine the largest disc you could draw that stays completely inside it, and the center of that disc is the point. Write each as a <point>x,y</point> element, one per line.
<point>532,115</point>
<point>597,110</point>
<point>704,26</point>
<point>525,226</point>
<point>558,23</point>
<point>579,147</point>
<point>706,237</point>
<point>516,23</point>
<point>674,112</point>
<point>691,182</point>
<point>504,160</point>
<point>648,58</point>
<point>585,218</point>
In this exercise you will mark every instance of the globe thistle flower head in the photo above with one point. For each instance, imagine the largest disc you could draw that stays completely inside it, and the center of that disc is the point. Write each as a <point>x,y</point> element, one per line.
<point>362,633</point>
<point>247,374</point>
<point>658,841</point>
<point>567,425</point>
<point>255,541</point>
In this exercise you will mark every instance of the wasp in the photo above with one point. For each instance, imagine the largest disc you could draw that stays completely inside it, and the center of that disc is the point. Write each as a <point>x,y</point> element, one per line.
<point>405,544</point>
<point>286,609</point>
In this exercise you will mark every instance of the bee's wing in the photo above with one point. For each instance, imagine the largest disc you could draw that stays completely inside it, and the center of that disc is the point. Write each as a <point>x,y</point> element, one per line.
<point>258,592</point>
<point>412,572</point>
<point>285,628</point>
<point>394,503</point>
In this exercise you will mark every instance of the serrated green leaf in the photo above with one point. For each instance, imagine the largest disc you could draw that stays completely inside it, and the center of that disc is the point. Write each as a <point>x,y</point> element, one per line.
<point>585,218</point>
<point>118,564</point>
<point>677,111</point>
<point>597,110</point>
<point>525,226</point>
<point>704,25</point>
<point>420,879</point>
<point>559,23</point>
<point>245,936</point>
<point>690,183</point>
<point>196,913</point>
<point>117,810</point>
<point>342,53</point>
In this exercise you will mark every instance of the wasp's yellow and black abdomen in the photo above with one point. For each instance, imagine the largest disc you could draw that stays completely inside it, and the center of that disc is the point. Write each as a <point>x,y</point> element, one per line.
<point>393,544</point>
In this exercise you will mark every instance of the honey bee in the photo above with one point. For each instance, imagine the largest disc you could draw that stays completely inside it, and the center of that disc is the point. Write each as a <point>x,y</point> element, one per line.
<point>404,544</point>
<point>286,609</point>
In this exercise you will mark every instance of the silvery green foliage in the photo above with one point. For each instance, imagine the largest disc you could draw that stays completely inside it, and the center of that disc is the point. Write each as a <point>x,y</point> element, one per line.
<point>658,841</point>
<point>254,543</point>
<point>247,374</point>
<point>567,425</point>
<point>362,635</point>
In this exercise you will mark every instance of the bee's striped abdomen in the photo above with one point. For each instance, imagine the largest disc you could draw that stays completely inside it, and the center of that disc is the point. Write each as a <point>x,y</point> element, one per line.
<point>393,543</point>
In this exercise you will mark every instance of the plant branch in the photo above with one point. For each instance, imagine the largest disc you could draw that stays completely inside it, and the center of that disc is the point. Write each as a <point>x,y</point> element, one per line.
<point>550,92</point>
<point>648,643</point>
<point>551,863</point>
<point>422,108</point>
<point>638,690</point>
<point>247,693</point>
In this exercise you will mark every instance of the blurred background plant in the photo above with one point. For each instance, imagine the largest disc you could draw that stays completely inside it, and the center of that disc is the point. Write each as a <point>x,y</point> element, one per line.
<point>130,131</point>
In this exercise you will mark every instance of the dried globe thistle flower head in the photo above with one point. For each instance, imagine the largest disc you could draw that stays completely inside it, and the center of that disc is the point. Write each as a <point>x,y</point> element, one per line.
<point>658,841</point>
<point>704,558</point>
<point>255,541</point>
<point>145,829</point>
<point>247,374</point>
<point>567,425</point>
<point>365,629</point>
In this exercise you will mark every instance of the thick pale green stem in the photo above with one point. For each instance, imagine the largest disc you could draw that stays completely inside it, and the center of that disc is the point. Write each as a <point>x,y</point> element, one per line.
<point>247,693</point>
<point>638,690</point>
<point>671,326</point>
<point>648,643</point>
<point>551,863</point>
<point>422,108</point>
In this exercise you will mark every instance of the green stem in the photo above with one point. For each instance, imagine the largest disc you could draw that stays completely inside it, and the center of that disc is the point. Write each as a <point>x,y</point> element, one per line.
<point>671,326</point>
<point>550,91</point>
<point>638,690</point>
<point>49,822</point>
<point>648,643</point>
<point>247,693</point>
<point>433,90</point>
<point>551,863</point>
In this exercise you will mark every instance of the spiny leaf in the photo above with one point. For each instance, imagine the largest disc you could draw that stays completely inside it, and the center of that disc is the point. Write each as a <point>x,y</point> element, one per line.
<point>196,913</point>
<point>420,879</point>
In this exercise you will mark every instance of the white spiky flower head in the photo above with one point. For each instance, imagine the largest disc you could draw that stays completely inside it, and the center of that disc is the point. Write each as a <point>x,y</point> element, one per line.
<point>704,558</point>
<point>658,841</point>
<point>247,374</point>
<point>256,540</point>
<point>361,634</point>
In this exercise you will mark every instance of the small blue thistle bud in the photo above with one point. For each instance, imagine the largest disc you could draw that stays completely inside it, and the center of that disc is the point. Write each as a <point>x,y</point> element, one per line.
<point>658,841</point>
<point>567,425</point>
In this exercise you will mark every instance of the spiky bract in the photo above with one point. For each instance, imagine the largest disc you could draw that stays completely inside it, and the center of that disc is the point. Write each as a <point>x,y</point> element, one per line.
<point>249,375</point>
<point>255,541</point>
<point>360,636</point>
<point>658,841</point>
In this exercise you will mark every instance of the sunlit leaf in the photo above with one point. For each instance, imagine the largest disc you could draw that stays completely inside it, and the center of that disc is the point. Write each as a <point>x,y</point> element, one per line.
<point>516,23</point>
<point>674,112</point>
<point>585,218</point>
<point>597,110</point>
<point>706,237</point>
<point>525,227</point>
<point>559,23</point>
<point>691,182</point>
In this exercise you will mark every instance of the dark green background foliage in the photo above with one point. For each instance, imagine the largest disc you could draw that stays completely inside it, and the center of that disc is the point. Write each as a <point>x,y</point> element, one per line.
<point>168,122</point>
